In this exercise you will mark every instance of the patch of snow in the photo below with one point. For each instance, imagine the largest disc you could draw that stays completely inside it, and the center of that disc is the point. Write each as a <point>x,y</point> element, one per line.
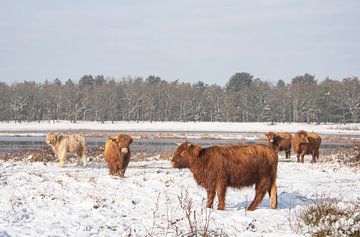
<point>41,199</point>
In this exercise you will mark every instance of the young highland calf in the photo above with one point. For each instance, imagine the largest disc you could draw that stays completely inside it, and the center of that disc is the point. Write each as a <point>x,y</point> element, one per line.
<point>117,154</point>
<point>64,144</point>
<point>218,167</point>
<point>305,143</point>
<point>280,141</point>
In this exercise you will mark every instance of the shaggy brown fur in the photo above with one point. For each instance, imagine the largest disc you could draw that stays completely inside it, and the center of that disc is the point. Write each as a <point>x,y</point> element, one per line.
<point>218,167</point>
<point>65,144</point>
<point>117,154</point>
<point>280,141</point>
<point>305,143</point>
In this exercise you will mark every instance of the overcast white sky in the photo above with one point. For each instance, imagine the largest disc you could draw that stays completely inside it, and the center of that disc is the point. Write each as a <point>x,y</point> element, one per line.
<point>190,40</point>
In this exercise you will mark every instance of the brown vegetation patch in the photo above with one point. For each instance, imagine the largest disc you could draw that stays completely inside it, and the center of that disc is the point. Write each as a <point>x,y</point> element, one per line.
<point>328,218</point>
<point>42,154</point>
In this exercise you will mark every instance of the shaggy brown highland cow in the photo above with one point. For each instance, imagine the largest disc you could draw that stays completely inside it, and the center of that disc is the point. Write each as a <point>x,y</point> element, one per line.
<point>117,154</point>
<point>218,167</point>
<point>305,143</point>
<point>280,141</point>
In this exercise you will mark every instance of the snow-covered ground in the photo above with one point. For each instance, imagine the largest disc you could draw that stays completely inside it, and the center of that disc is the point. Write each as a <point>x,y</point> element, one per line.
<point>178,127</point>
<point>41,199</point>
<point>38,199</point>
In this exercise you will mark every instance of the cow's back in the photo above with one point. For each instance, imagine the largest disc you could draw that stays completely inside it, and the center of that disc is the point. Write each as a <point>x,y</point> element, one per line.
<point>74,143</point>
<point>285,141</point>
<point>285,135</point>
<point>242,165</point>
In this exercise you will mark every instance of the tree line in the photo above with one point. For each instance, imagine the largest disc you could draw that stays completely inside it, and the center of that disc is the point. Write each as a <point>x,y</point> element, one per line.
<point>243,99</point>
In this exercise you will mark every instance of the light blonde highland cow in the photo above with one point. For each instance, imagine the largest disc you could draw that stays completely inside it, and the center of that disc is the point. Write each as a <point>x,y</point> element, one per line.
<point>65,144</point>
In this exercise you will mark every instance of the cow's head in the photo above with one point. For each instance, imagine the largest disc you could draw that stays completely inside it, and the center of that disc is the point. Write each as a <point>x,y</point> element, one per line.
<point>53,138</point>
<point>270,136</point>
<point>123,142</point>
<point>274,140</point>
<point>183,155</point>
<point>303,137</point>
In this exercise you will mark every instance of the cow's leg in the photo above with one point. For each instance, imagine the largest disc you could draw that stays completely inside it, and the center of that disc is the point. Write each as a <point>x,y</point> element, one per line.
<point>302,156</point>
<point>62,157</point>
<point>114,168</point>
<point>273,195</point>
<point>125,164</point>
<point>298,157</point>
<point>317,155</point>
<point>122,173</point>
<point>210,198</point>
<point>78,157</point>
<point>110,168</point>
<point>261,189</point>
<point>83,156</point>
<point>221,191</point>
<point>313,159</point>
<point>287,154</point>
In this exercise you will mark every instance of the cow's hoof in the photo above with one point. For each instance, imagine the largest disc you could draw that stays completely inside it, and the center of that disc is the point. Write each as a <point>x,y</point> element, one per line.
<point>250,209</point>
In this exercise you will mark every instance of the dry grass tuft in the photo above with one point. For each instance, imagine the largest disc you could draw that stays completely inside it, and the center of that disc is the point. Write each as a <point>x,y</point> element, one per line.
<point>348,157</point>
<point>328,218</point>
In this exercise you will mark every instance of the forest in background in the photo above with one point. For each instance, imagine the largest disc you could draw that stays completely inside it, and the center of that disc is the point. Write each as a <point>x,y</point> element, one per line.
<point>243,99</point>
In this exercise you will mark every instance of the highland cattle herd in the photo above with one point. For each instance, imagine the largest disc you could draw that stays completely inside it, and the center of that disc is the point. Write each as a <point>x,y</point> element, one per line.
<point>214,168</point>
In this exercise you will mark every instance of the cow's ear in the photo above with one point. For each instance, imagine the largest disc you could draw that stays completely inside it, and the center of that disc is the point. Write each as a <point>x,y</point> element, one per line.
<point>196,150</point>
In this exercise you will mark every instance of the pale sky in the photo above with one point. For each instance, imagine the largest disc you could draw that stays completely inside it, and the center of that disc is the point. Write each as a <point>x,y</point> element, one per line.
<point>189,40</point>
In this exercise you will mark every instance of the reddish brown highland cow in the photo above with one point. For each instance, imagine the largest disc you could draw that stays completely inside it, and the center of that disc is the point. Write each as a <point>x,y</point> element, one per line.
<point>305,143</point>
<point>117,154</point>
<point>218,167</point>
<point>280,141</point>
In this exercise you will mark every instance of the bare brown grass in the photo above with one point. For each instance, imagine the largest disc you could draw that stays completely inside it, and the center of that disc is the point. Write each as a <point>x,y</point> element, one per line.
<point>328,218</point>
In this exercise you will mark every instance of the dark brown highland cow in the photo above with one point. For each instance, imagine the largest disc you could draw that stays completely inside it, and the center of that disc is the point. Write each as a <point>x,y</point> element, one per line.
<point>218,167</point>
<point>280,141</point>
<point>305,143</point>
<point>117,154</point>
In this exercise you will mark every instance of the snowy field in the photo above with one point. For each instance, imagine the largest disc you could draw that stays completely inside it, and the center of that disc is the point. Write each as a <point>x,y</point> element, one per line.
<point>40,199</point>
<point>177,127</point>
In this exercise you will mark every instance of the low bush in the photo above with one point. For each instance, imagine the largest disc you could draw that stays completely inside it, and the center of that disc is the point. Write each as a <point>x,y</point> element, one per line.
<point>328,218</point>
